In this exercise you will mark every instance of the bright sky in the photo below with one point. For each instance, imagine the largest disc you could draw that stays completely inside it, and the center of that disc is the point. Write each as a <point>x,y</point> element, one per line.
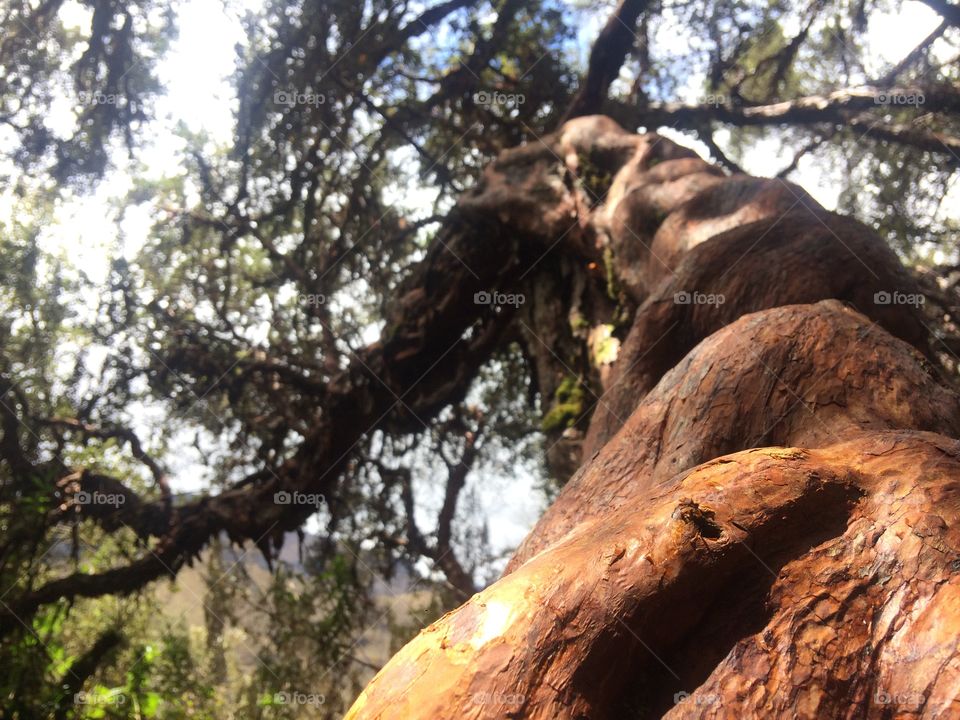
<point>195,76</point>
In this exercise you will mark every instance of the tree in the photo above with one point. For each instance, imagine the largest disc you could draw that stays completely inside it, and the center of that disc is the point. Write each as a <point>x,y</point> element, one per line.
<point>806,575</point>
<point>646,311</point>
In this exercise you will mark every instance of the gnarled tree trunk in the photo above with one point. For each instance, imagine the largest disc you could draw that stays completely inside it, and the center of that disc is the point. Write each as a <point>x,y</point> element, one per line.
<point>766,518</point>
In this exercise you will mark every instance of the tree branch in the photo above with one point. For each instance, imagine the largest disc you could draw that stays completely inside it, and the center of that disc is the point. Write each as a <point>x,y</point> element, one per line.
<point>891,77</point>
<point>842,108</point>
<point>81,670</point>
<point>808,148</point>
<point>442,551</point>
<point>115,433</point>
<point>422,363</point>
<point>832,107</point>
<point>607,56</point>
<point>706,136</point>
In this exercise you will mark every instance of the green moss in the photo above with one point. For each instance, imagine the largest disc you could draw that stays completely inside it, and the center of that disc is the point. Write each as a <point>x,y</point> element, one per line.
<point>560,417</point>
<point>622,317</point>
<point>570,390</point>
<point>567,406</point>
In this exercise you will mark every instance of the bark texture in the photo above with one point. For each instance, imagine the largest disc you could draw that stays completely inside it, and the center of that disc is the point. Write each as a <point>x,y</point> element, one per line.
<point>777,582</point>
<point>766,520</point>
<point>799,375</point>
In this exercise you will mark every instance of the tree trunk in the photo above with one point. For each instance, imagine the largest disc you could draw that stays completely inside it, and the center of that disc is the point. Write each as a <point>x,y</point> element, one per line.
<point>766,522</point>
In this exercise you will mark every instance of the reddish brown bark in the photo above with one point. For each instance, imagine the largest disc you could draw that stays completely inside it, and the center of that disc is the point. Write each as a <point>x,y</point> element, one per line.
<point>811,573</point>
<point>800,375</point>
<point>778,582</point>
